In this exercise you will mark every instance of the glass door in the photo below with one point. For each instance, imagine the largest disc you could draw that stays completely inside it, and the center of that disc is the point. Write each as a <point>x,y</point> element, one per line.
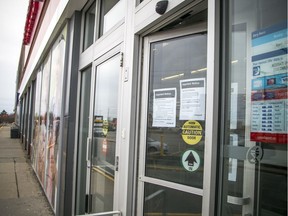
<point>254,142</point>
<point>83,136</point>
<point>103,145</point>
<point>173,123</point>
<point>97,138</point>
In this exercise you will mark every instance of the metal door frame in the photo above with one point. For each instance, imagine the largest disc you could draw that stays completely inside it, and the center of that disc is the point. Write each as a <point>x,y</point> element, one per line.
<point>209,184</point>
<point>114,52</point>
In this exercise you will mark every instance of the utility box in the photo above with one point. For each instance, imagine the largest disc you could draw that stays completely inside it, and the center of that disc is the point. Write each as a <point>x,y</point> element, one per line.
<point>14,132</point>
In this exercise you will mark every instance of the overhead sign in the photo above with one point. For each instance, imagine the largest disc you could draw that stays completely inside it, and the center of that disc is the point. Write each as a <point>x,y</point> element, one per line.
<point>192,132</point>
<point>191,160</point>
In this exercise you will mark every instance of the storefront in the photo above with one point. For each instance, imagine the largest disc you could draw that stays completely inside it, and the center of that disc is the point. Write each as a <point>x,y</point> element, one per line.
<point>159,107</point>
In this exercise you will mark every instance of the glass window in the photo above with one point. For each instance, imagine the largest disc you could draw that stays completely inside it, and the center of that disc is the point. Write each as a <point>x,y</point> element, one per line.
<point>104,135</point>
<point>83,136</point>
<point>89,26</point>
<point>159,200</point>
<point>36,125</point>
<point>54,114</point>
<point>254,178</point>
<point>176,110</point>
<point>111,12</point>
<point>42,145</point>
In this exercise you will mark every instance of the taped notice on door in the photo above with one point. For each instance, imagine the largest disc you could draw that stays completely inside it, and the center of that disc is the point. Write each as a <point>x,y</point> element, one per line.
<point>164,107</point>
<point>192,99</point>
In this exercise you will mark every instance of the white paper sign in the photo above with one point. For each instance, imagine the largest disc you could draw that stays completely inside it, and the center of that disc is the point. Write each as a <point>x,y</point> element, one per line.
<point>164,107</point>
<point>192,99</point>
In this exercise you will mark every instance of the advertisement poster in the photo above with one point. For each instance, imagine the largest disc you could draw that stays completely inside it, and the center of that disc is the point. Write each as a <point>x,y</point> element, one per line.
<point>192,99</point>
<point>54,121</point>
<point>164,107</point>
<point>269,85</point>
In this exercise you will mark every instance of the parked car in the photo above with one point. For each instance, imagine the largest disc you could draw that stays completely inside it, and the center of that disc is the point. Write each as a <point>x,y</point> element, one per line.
<point>155,146</point>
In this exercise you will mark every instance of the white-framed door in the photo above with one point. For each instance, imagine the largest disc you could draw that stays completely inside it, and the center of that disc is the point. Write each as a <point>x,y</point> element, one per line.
<point>99,157</point>
<point>173,119</point>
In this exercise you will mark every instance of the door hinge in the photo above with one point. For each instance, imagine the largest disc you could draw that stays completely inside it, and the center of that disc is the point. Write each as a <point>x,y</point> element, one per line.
<point>117,163</point>
<point>121,59</point>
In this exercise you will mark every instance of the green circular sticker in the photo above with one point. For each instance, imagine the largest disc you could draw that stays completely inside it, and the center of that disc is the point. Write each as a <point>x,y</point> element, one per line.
<point>192,132</point>
<point>191,160</point>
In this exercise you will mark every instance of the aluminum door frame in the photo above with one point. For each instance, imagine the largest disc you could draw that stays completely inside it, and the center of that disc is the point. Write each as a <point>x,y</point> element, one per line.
<point>211,140</point>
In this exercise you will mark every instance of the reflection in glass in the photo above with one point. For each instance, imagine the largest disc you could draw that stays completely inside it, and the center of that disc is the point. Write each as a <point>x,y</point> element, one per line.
<point>41,149</point>
<point>54,113</point>
<point>104,135</point>
<point>160,200</point>
<point>176,91</point>
<point>89,26</point>
<point>83,135</point>
<point>36,129</point>
<point>255,139</point>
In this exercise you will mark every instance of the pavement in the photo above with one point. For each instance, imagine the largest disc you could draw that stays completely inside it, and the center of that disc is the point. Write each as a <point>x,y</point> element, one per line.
<point>20,191</point>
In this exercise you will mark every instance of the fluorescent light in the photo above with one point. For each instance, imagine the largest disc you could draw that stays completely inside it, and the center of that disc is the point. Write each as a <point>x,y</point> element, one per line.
<point>199,70</point>
<point>172,77</point>
<point>235,61</point>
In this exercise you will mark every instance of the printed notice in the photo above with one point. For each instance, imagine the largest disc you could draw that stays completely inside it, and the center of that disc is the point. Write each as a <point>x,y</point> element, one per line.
<point>192,99</point>
<point>164,107</point>
<point>269,85</point>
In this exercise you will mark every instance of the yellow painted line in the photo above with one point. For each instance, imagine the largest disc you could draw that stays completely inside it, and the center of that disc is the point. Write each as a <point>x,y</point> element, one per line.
<point>96,169</point>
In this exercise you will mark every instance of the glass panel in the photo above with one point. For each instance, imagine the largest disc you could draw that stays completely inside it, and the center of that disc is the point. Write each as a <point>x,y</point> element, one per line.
<point>54,114</point>
<point>176,110</point>
<point>83,135</point>
<point>255,136</point>
<point>104,135</point>
<point>41,150</point>
<point>89,26</point>
<point>165,201</point>
<point>111,12</point>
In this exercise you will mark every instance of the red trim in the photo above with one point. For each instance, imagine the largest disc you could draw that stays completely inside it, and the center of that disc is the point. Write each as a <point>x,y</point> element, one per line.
<point>33,10</point>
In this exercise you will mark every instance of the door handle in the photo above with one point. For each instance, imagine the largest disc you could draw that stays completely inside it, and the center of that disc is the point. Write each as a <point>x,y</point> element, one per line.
<point>88,149</point>
<point>238,200</point>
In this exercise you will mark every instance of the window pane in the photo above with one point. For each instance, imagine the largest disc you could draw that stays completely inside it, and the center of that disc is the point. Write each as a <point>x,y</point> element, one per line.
<point>165,201</point>
<point>41,148</point>
<point>104,135</point>
<point>54,114</point>
<point>89,27</point>
<point>112,11</point>
<point>255,141</point>
<point>176,110</point>
<point>83,135</point>
<point>36,130</point>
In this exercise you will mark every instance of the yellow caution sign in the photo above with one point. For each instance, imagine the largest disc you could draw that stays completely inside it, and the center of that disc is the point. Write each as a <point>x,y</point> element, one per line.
<point>192,132</point>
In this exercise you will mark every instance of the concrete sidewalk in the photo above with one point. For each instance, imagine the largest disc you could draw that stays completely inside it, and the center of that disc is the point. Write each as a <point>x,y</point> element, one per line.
<point>20,192</point>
